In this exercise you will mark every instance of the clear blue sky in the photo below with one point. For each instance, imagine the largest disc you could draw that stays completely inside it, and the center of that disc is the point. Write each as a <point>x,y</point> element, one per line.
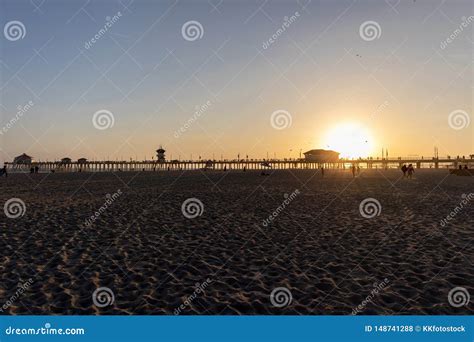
<point>400,87</point>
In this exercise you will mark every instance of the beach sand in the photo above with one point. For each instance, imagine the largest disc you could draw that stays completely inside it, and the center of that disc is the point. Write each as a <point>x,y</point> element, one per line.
<point>228,260</point>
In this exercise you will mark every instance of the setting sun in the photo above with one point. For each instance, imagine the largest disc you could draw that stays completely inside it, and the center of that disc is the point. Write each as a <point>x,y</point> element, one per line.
<point>352,140</point>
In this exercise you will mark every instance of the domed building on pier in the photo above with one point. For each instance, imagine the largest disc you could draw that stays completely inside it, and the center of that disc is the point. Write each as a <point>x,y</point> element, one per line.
<point>321,156</point>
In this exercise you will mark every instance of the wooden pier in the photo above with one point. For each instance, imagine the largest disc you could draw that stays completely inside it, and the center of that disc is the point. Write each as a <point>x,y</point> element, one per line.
<point>247,164</point>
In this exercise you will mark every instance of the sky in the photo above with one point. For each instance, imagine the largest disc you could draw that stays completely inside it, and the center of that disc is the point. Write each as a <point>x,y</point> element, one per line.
<point>256,78</point>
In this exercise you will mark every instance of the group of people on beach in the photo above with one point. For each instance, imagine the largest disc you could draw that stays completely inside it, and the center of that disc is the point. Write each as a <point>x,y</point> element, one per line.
<point>3,171</point>
<point>408,171</point>
<point>354,170</point>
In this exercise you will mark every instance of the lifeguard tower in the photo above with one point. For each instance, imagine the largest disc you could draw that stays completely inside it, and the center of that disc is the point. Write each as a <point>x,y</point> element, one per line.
<point>160,155</point>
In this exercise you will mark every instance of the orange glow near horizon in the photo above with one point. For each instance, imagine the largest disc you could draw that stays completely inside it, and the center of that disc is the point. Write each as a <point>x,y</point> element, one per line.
<point>351,140</point>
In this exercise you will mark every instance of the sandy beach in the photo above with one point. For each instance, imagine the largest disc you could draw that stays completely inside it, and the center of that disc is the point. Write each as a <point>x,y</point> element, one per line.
<point>246,236</point>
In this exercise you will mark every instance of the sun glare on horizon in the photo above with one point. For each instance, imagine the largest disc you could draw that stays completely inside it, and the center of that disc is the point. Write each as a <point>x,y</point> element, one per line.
<point>351,140</point>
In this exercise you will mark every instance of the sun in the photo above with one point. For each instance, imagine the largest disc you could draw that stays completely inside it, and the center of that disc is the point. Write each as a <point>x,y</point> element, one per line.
<point>351,140</point>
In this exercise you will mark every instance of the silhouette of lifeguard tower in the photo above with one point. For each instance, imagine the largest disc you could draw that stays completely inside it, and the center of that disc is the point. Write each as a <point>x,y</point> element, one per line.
<point>160,155</point>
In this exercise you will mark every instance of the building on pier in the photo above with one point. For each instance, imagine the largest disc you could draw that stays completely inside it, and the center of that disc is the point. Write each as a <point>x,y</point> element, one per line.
<point>82,160</point>
<point>321,156</point>
<point>66,160</point>
<point>23,159</point>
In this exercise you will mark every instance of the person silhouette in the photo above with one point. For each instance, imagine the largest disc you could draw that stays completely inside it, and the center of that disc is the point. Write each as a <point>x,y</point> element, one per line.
<point>353,171</point>
<point>322,172</point>
<point>410,170</point>
<point>3,171</point>
<point>404,170</point>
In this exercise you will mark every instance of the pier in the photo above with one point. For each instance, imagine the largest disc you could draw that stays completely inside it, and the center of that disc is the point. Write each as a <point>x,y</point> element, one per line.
<point>247,164</point>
